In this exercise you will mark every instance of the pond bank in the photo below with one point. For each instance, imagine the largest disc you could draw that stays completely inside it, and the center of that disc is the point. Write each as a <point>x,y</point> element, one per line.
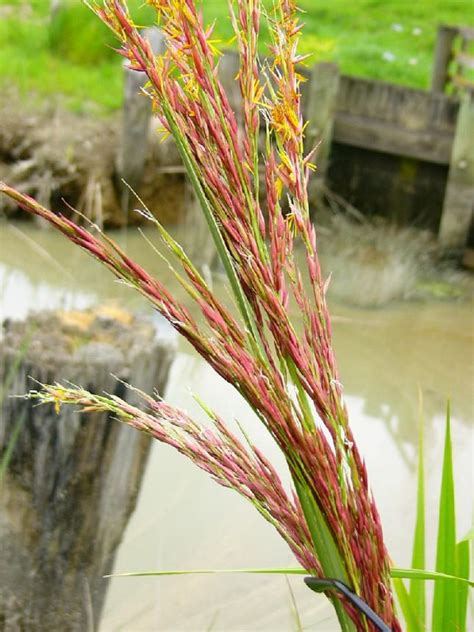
<point>59,157</point>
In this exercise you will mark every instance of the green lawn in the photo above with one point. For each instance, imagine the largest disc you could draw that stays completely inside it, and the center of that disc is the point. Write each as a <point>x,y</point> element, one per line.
<point>381,39</point>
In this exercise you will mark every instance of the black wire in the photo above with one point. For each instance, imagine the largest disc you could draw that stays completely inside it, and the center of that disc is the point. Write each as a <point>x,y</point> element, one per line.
<point>323,584</point>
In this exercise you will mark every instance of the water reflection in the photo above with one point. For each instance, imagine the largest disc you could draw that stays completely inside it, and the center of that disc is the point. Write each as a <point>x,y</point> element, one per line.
<point>184,520</point>
<point>20,294</point>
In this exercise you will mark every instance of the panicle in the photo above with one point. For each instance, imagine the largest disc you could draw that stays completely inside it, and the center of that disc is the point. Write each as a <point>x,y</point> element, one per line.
<point>216,450</point>
<point>287,374</point>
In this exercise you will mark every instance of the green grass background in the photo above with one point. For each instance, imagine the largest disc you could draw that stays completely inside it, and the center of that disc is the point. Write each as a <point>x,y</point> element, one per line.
<point>72,53</point>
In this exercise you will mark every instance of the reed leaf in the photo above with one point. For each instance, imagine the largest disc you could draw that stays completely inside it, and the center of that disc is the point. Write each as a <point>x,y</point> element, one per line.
<point>219,242</point>
<point>445,611</point>
<point>417,587</point>
<point>439,577</point>
<point>294,608</point>
<point>325,547</point>
<point>408,609</point>
<point>215,571</point>
<point>462,589</point>
<point>396,573</point>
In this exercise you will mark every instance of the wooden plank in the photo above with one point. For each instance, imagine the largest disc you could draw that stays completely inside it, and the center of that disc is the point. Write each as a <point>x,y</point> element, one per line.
<point>443,56</point>
<point>459,198</point>
<point>378,135</point>
<point>468,258</point>
<point>465,60</point>
<point>407,107</point>
<point>229,66</point>
<point>320,108</point>
<point>396,120</point>
<point>462,83</point>
<point>136,117</point>
<point>466,32</point>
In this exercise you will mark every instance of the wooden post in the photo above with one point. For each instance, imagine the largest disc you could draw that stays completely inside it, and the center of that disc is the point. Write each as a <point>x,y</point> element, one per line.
<point>136,119</point>
<point>443,56</point>
<point>229,65</point>
<point>459,196</point>
<point>196,239</point>
<point>73,479</point>
<point>54,7</point>
<point>320,111</point>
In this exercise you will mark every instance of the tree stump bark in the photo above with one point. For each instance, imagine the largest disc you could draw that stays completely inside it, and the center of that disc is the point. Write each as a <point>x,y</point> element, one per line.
<point>73,479</point>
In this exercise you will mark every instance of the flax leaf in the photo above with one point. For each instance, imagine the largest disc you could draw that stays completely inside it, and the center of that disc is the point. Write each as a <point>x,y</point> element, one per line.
<point>406,604</point>
<point>462,589</point>
<point>327,552</point>
<point>415,573</point>
<point>228,571</point>
<point>396,573</point>
<point>444,599</point>
<point>417,588</point>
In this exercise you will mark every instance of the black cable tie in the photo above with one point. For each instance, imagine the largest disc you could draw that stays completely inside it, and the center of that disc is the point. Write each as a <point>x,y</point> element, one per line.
<point>323,584</point>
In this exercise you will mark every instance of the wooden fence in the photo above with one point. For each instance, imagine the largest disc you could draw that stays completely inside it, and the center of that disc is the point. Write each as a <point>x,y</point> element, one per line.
<point>431,127</point>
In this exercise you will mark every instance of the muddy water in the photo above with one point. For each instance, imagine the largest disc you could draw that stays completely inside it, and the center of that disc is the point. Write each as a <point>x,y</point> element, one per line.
<point>183,520</point>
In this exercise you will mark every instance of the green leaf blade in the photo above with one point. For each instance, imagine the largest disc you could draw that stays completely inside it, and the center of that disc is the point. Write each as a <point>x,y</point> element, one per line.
<point>406,605</point>
<point>445,615</point>
<point>326,549</point>
<point>395,572</point>
<point>417,588</point>
<point>229,571</point>
<point>462,589</point>
<point>414,573</point>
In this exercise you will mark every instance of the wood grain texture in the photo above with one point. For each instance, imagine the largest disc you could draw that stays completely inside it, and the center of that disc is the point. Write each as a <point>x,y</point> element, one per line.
<point>73,479</point>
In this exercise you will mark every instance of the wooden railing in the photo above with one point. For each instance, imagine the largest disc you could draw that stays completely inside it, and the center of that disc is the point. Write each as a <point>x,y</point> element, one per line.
<point>426,126</point>
<point>454,59</point>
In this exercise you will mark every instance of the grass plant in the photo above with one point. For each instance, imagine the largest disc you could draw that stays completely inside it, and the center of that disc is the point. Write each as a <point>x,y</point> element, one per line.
<point>289,377</point>
<point>450,598</point>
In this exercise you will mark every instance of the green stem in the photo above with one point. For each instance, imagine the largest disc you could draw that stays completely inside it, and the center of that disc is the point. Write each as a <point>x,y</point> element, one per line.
<point>262,248</point>
<point>301,394</point>
<point>326,549</point>
<point>222,250</point>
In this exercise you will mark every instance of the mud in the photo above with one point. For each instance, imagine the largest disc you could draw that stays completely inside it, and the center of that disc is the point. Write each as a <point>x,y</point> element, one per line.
<point>62,158</point>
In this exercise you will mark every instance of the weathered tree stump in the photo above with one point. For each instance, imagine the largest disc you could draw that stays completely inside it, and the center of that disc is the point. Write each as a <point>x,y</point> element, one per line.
<point>73,479</point>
